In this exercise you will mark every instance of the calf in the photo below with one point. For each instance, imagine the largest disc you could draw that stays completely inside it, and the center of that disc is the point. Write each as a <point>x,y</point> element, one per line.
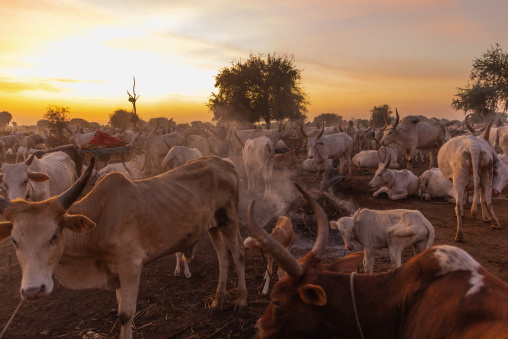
<point>398,184</point>
<point>392,229</point>
<point>284,234</point>
<point>441,293</point>
<point>371,159</point>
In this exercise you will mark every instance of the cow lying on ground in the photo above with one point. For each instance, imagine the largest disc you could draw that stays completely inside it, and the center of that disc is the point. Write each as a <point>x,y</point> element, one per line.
<point>284,234</point>
<point>441,293</point>
<point>370,159</point>
<point>392,229</point>
<point>433,184</point>
<point>398,184</point>
<point>105,239</point>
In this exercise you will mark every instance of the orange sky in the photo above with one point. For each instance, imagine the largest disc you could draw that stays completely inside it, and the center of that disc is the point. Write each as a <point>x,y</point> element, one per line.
<point>82,54</point>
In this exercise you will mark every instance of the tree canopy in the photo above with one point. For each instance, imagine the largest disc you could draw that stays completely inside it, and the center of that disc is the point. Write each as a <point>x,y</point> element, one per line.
<point>5,118</point>
<point>487,90</point>
<point>121,119</point>
<point>57,117</point>
<point>377,115</point>
<point>329,119</point>
<point>259,89</point>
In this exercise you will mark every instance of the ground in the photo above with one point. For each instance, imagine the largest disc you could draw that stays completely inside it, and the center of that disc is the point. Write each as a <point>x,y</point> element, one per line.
<point>176,307</point>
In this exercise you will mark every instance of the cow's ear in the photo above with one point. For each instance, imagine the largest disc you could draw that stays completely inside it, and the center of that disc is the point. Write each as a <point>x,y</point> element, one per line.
<point>5,230</point>
<point>313,295</point>
<point>77,223</point>
<point>347,264</point>
<point>37,176</point>
<point>334,225</point>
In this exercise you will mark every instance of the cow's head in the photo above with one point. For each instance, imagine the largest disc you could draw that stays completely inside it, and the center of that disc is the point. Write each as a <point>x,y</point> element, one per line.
<point>345,226</point>
<point>500,178</point>
<point>16,178</point>
<point>383,176</point>
<point>37,232</point>
<point>305,295</point>
<point>252,248</point>
<point>315,146</point>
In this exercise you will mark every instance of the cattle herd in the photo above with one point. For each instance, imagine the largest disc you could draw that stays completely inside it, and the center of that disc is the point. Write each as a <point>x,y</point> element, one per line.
<point>180,185</point>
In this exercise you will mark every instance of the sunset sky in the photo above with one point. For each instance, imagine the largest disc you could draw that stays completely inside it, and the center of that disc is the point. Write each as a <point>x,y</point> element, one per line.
<point>355,54</point>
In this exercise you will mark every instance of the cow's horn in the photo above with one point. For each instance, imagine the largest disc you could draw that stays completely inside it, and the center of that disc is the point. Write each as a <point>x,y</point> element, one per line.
<point>322,223</point>
<point>469,127</point>
<point>303,132</point>
<point>321,133</point>
<point>67,198</point>
<point>484,123</point>
<point>496,143</point>
<point>270,245</point>
<point>486,134</point>
<point>127,168</point>
<point>29,160</point>
<point>396,118</point>
<point>169,146</point>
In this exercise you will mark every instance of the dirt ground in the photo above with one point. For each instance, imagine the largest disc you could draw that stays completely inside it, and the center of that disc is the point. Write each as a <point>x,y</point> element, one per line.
<point>176,307</point>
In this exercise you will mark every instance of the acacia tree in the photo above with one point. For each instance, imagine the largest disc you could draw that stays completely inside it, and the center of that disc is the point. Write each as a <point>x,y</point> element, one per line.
<point>259,90</point>
<point>57,117</point>
<point>121,119</point>
<point>377,115</point>
<point>5,118</point>
<point>488,89</point>
<point>328,118</point>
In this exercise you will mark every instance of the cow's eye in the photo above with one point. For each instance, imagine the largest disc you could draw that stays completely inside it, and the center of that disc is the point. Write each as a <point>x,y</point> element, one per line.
<point>14,243</point>
<point>54,239</point>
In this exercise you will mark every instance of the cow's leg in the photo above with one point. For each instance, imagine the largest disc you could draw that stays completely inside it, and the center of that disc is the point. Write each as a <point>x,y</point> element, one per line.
<point>268,274</point>
<point>486,199</point>
<point>368,261</point>
<point>280,271</point>
<point>250,175</point>
<point>235,244</point>
<point>383,189</point>
<point>395,251</point>
<point>266,178</point>
<point>186,266</point>
<point>178,256</point>
<point>459,210</point>
<point>126,296</point>
<point>222,256</point>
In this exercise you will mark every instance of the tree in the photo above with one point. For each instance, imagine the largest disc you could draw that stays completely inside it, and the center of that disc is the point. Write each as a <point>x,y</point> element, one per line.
<point>329,118</point>
<point>121,119</point>
<point>5,118</point>
<point>377,115</point>
<point>488,89</point>
<point>57,117</point>
<point>259,90</point>
<point>78,121</point>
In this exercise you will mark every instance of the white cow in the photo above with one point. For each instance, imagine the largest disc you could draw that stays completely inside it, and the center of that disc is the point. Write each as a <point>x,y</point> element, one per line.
<point>469,162</point>
<point>38,179</point>
<point>178,155</point>
<point>328,147</point>
<point>258,155</point>
<point>312,166</point>
<point>433,184</point>
<point>284,234</point>
<point>392,229</point>
<point>131,169</point>
<point>398,184</point>
<point>371,159</point>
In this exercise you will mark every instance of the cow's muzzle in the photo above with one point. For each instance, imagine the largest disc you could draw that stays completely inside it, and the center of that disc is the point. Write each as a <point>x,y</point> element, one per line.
<point>32,293</point>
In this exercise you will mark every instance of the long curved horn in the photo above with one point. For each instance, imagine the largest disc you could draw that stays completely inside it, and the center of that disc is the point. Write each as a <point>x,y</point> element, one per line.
<point>303,132</point>
<point>321,133</point>
<point>396,118</point>
<point>29,160</point>
<point>358,124</point>
<point>469,127</point>
<point>239,140</point>
<point>127,168</point>
<point>486,134</point>
<point>322,222</point>
<point>340,129</point>
<point>484,123</point>
<point>169,146</point>
<point>496,143</point>
<point>385,117</point>
<point>270,245</point>
<point>67,198</point>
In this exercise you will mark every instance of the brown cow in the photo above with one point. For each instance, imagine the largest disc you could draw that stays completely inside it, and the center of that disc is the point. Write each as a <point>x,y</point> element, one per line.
<point>284,234</point>
<point>442,293</point>
<point>105,239</point>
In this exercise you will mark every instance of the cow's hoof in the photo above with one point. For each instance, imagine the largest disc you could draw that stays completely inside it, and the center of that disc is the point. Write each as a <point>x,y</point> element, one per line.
<point>496,227</point>
<point>240,309</point>
<point>459,238</point>
<point>213,311</point>
<point>487,221</point>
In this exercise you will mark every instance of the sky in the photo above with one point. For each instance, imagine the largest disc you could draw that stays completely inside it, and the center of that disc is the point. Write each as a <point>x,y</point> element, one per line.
<point>354,54</point>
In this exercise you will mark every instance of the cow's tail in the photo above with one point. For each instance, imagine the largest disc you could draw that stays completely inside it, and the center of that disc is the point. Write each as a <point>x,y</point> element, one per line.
<point>269,148</point>
<point>432,234</point>
<point>475,160</point>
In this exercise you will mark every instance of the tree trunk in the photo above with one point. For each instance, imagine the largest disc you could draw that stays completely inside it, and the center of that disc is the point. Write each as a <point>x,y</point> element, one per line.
<point>268,123</point>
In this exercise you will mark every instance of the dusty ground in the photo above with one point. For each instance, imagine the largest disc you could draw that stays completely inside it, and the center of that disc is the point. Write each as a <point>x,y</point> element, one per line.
<point>176,307</point>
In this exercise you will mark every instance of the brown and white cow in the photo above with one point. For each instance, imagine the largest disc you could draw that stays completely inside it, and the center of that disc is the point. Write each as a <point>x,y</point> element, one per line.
<point>441,293</point>
<point>284,234</point>
<point>105,239</point>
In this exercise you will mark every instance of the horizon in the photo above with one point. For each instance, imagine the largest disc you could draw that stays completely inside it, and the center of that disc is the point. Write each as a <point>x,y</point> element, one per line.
<point>354,55</point>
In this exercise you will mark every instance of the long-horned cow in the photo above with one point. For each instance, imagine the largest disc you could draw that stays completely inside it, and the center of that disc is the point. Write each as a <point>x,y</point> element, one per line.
<point>469,162</point>
<point>398,184</point>
<point>441,293</point>
<point>412,133</point>
<point>105,239</point>
<point>324,147</point>
<point>38,179</point>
